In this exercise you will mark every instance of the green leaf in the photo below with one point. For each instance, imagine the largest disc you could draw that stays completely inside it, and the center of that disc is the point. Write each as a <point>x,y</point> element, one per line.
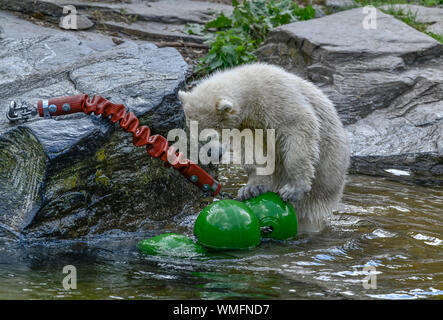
<point>229,49</point>
<point>216,64</point>
<point>306,13</point>
<point>220,22</point>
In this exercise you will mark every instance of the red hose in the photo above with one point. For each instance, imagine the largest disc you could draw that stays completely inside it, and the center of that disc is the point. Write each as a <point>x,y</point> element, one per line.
<point>156,145</point>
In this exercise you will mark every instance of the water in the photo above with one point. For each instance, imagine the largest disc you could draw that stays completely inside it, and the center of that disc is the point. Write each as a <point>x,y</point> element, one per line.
<point>394,228</point>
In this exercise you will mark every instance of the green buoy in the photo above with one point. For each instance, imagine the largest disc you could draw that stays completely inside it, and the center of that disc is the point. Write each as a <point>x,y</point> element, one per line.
<point>272,211</point>
<point>227,225</point>
<point>171,244</point>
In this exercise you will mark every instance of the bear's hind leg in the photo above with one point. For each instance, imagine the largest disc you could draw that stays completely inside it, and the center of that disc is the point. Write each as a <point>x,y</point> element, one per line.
<point>313,212</point>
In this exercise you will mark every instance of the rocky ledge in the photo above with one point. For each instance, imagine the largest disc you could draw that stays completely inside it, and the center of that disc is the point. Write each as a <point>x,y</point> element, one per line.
<point>387,85</point>
<point>162,20</point>
<point>79,175</point>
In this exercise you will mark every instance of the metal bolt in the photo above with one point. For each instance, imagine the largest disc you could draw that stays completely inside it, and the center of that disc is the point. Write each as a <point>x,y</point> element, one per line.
<point>11,110</point>
<point>66,107</point>
<point>194,179</point>
<point>52,108</point>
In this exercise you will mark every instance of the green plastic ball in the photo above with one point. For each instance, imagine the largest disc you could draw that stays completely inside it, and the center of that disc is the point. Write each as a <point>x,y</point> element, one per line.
<point>227,225</point>
<point>272,211</point>
<point>171,244</point>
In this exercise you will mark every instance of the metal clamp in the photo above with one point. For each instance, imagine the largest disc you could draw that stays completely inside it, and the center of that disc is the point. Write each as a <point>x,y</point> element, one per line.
<point>46,110</point>
<point>17,113</point>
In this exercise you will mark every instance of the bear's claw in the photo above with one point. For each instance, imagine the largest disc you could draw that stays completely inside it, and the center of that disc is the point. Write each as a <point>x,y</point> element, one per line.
<point>292,193</point>
<point>252,190</point>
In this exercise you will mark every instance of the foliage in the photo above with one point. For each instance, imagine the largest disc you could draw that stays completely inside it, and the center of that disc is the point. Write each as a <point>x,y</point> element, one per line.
<point>234,38</point>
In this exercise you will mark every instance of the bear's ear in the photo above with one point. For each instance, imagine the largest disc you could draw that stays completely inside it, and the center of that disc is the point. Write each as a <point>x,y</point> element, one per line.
<point>182,95</point>
<point>224,106</point>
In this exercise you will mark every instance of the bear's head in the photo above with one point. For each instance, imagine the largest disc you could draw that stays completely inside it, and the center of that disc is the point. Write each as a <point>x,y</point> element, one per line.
<point>210,109</point>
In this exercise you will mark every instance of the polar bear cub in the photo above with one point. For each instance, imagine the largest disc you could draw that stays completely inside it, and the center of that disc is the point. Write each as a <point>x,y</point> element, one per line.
<point>311,147</point>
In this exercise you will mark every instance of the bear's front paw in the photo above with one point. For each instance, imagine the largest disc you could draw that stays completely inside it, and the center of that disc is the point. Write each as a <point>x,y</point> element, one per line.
<point>252,190</point>
<point>293,193</point>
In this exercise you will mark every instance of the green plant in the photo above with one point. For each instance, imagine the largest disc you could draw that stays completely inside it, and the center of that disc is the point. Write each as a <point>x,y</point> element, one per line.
<point>229,48</point>
<point>410,18</point>
<point>438,37</point>
<point>233,39</point>
<point>431,3</point>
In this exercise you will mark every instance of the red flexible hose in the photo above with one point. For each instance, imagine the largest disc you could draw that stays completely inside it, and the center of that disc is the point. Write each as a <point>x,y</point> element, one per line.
<point>157,146</point>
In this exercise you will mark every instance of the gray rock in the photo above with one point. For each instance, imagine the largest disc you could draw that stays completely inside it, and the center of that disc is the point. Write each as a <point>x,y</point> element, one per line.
<point>436,28</point>
<point>147,20</point>
<point>46,10</point>
<point>75,22</point>
<point>153,31</point>
<point>12,27</point>
<point>432,16</point>
<point>422,14</point>
<point>386,84</point>
<point>79,175</point>
<point>319,12</point>
<point>163,11</point>
<point>339,5</point>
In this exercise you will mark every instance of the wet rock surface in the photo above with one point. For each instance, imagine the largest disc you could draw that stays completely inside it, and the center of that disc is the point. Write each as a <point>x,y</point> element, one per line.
<point>387,85</point>
<point>78,175</point>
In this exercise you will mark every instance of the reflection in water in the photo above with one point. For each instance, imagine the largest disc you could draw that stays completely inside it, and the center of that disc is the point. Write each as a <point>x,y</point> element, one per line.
<point>393,227</point>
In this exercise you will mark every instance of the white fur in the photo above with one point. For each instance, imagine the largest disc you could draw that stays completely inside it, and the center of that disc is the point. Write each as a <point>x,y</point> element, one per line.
<point>312,151</point>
